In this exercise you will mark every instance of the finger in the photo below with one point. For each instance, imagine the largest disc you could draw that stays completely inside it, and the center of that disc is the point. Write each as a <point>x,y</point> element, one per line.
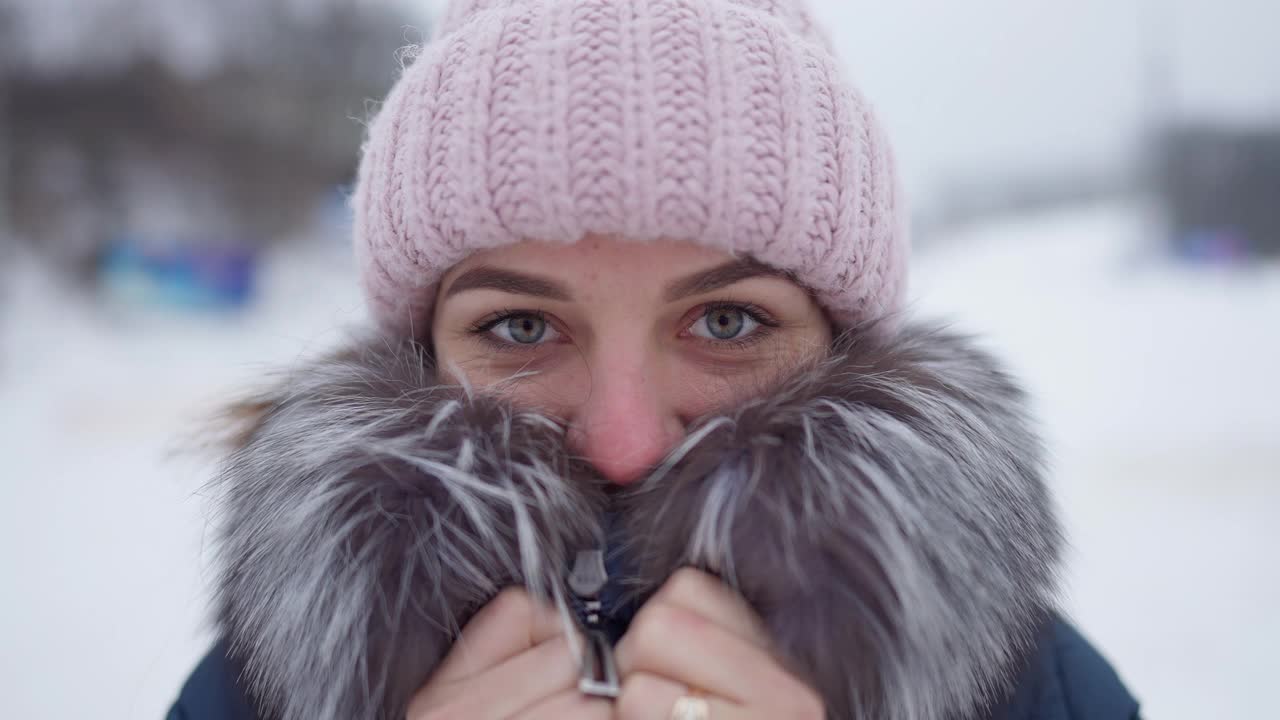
<point>712,598</point>
<point>568,705</point>
<point>511,623</point>
<point>519,682</point>
<point>681,645</point>
<point>501,691</point>
<point>646,696</point>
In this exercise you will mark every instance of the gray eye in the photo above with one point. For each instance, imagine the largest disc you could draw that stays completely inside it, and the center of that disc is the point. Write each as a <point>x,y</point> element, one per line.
<point>725,323</point>
<point>526,329</point>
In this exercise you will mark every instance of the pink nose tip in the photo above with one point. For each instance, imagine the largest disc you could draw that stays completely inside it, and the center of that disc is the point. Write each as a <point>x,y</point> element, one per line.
<point>621,470</point>
<point>624,453</point>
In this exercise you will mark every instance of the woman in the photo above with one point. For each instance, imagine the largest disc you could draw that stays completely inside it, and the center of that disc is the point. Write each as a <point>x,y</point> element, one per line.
<point>641,431</point>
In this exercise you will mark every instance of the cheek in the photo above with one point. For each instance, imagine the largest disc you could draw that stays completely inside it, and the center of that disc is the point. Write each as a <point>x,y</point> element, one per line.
<point>713,383</point>
<point>700,394</point>
<point>553,384</point>
<point>702,387</point>
<point>555,391</point>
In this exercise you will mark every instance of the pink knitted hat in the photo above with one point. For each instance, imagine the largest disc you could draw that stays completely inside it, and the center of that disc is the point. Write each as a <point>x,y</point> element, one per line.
<point>728,123</point>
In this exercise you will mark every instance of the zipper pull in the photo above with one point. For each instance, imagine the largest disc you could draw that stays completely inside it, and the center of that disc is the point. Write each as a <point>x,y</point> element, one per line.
<point>599,675</point>
<point>587,579</point>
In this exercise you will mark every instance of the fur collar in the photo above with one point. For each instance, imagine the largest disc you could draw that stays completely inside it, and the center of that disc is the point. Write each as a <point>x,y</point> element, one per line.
<point>884,512</point>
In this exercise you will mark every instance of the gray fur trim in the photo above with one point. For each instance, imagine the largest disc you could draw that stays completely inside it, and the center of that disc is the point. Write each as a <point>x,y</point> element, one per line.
<point>368,514</point>
<point>884,512</point>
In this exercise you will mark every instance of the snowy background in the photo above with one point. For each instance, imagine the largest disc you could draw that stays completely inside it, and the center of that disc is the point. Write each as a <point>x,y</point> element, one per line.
<point>1158,381</point>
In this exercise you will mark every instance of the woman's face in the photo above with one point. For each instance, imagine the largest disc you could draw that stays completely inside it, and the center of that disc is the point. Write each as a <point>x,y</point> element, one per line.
<point>626,342</point>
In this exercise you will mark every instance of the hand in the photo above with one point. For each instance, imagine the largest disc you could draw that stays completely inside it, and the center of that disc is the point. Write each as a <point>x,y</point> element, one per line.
<point>697,635</point>
<point>512,661</point>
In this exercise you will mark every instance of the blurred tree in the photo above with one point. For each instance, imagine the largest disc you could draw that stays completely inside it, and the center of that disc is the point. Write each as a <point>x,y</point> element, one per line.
<point>182,120</point>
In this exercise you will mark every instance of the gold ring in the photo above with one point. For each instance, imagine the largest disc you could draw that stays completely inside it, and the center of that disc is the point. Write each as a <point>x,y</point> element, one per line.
<point>691,707</point>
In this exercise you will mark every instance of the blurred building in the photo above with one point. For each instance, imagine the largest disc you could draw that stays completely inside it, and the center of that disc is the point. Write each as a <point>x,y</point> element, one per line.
<point>1220,188</point>
<point>173,124</point>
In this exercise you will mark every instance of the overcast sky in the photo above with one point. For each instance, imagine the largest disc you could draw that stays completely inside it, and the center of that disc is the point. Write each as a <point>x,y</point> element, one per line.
<point>1007,83</point>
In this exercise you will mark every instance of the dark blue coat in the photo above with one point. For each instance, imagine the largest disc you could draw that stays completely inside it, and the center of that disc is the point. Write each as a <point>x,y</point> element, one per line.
<point>1066,680</point>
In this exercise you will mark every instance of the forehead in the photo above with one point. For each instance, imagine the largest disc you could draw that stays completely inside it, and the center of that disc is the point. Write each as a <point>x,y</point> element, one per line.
<point>595,254</point>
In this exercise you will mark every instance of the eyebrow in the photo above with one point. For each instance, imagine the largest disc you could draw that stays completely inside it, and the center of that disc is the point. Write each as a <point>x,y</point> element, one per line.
<point>508,281</point>
<point>721,276</point>
<point>484,277</point>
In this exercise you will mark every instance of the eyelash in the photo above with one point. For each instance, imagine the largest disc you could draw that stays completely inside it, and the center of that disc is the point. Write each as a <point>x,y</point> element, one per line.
<point>766,324</point>
<point>481,328</point>
<point>766,321</point>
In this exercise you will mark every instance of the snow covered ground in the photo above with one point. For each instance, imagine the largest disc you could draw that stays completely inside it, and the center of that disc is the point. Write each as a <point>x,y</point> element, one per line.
<point>1158,386</point>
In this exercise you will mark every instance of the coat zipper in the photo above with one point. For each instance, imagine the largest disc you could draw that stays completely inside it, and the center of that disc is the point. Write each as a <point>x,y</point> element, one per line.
<point>599,674</point>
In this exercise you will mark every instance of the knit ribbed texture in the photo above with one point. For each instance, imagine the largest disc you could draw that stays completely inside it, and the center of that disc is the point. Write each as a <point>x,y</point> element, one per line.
<point>728,123</point>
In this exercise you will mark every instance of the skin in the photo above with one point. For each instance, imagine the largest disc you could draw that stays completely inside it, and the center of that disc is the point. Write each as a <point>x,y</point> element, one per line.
<point>627,344</point>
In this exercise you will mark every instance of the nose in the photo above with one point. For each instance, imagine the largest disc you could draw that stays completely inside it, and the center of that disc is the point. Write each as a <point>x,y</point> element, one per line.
<point>624,426</point>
